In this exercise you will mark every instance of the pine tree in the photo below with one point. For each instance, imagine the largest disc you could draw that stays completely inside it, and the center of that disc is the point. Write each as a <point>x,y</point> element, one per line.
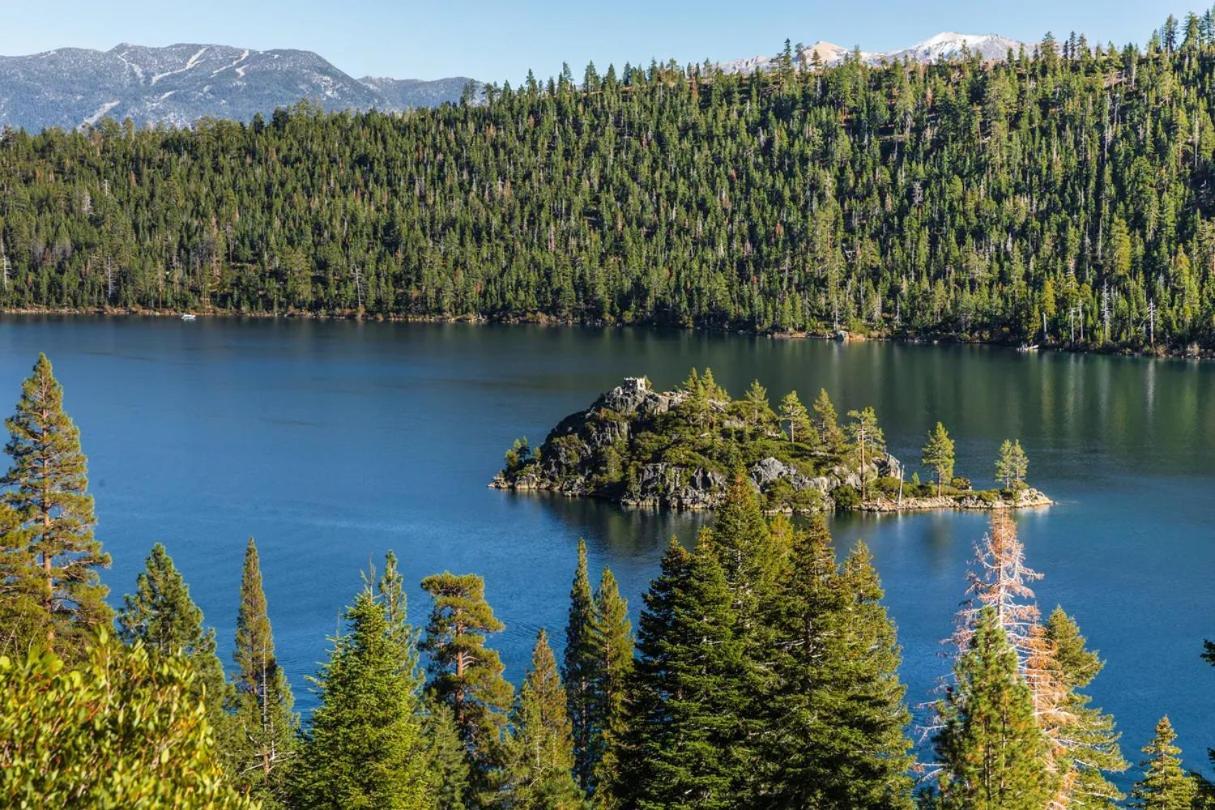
<point>994,756</point>
<point>938,455</point>
<point>541,751</point>
<point>579,669</point>
<point>446,757</point>
<point>48,490</point>
<point>162,616</point>
<point>796,420</point>
<point>867,441</point>
<point>837,719</point>
<point>612,637</point>
<point>826,421</point>
<point>1165,785</point>
<point>265,724</point>
<point>1089,743</point>
<point>686,738</point>
<point>1012,465</point>
<point>467,676</point>
<point>755,407</point>
<point>23,622</point>
<point>365,746</point>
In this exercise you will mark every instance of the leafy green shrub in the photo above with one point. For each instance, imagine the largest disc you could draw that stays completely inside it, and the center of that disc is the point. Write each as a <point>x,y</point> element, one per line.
<point>846,497</point>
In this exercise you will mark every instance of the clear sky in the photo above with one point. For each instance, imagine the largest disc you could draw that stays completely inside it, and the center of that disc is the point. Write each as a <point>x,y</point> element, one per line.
<point>497,39</point>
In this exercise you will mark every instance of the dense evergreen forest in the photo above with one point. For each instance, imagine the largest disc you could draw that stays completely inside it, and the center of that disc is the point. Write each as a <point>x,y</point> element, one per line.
<point>763,674</point>
<point>1072,186</point>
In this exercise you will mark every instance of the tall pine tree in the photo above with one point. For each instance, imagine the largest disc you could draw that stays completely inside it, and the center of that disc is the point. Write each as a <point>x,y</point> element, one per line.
<point>612,637</point>
<point>994,756</point>
<point>686,733</point>
<point>365,746</point>
<point>265,724</point>
<point>1089,742</point>
<point>578,668</point>
<point>48,490</point>
<point>467,676</point>
<point>539,772</point>
<point>162,616</point>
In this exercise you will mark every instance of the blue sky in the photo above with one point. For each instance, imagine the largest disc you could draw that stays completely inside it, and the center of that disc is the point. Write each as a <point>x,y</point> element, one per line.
<point>501,40</point>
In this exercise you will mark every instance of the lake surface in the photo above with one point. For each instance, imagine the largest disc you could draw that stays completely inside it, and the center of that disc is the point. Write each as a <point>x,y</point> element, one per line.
<point>331,443</point>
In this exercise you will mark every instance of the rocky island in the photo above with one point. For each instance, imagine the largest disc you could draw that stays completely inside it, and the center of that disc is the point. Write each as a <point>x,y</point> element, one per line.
<point>679,449</point>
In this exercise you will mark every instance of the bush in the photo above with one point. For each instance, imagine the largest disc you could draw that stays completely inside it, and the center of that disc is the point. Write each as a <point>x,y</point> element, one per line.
<point>846,497</point>
<point>122,730</point>
<point>958,482</point>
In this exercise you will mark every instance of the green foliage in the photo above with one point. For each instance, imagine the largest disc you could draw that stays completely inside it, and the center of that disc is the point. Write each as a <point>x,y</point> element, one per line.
<point>796,420</point>
<point>1165,785</point>
<point>466,676</point>
<point>994,755</point>
<point>162,617</point>
<point>447,758</point>
<point>685,745</point>
<point>265,724</point>
<point>540,754</point>
<point>124,729</point>
<point>938,454</point>
<point>965,198</point>
<point>1012,465</point>
<point>612,640</point>
<point>365,746</point>
<point>579,668</point>
<point>868,442</point>
<point>836,718</point>
<point>50,549</point>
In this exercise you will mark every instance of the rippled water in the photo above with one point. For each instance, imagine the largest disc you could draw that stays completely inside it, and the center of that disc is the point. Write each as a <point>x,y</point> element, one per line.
<point>333,442</point>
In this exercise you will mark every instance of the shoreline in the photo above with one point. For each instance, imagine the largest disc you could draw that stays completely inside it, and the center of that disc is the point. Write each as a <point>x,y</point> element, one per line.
<point>1191,352</point>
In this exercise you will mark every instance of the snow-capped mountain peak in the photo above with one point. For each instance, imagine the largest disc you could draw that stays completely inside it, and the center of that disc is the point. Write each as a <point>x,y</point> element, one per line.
<point>937,48</point>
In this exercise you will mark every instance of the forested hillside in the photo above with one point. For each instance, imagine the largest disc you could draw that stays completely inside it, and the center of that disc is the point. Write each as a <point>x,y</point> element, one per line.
<point>969,199</point>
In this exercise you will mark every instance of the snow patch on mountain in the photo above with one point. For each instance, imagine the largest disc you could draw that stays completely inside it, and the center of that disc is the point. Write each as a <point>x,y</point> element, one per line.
<point>941,47</point>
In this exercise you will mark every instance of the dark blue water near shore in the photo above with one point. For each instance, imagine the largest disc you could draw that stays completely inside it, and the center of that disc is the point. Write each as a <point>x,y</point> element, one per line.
<point>333,442</point>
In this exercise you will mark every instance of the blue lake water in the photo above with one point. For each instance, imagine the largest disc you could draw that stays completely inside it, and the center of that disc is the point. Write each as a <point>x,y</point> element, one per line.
<point>332,442</point>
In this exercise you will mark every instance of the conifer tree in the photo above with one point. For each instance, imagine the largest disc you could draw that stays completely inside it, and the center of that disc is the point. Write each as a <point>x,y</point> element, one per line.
<point>612,636</point>
<point>23,622</point>
<point>796,420</point>
<point>48,490</point>
<point>687,746</point>
<point>467,676</point>
<point>579,668</point>
<point>365,745</point>
<point>867,440</point>
<point>1165,785</point>
<point>265,724</point>
<point>539,773</point>
<point>1012,465</point>
<point>447,758</point>
<point>836,734</point>
<point>826,421</point>
<point>162,616</point>
<point>994,756</point>
<point>938,455</point>
<point>757,411</point>
<point>1088,746</point>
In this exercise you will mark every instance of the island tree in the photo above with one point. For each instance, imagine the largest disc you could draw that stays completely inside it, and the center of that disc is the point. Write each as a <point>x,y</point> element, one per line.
<point>796,419</point>
<point>1012,465</point>
<point>868,441</point>
<point>52,539</point>
<point>938,455</point>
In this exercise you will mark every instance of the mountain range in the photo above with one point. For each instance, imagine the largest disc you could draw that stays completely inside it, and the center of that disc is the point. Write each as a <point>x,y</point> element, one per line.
<point>939,48</point>
<point>179,84</point>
